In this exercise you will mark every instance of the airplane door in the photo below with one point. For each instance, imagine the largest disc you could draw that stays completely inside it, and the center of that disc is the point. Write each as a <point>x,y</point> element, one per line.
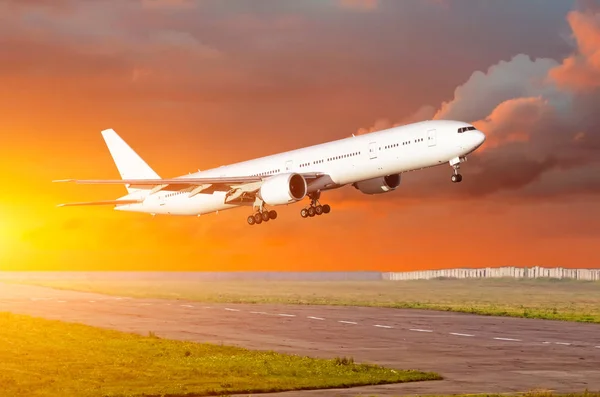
<point>288,165</point>
<point>431,138</point>
<point>373,150</point>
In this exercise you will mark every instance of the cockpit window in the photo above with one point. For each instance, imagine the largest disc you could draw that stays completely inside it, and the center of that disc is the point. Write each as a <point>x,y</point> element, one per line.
<point>463,129</point>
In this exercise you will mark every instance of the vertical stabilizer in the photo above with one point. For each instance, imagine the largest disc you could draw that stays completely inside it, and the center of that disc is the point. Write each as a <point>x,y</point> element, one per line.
<point>128,162</point>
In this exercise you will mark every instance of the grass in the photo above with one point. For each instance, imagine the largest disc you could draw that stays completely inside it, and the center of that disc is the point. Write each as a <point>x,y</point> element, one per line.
<point>51,358</point>
<point>526,394</point>
<point>566,300</point>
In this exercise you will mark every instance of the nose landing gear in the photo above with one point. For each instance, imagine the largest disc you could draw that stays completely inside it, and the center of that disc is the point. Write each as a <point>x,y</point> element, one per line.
<point>455,163</point>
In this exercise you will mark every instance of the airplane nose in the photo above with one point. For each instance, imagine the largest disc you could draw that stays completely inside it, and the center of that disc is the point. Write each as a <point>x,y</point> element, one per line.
<point>477,138</point>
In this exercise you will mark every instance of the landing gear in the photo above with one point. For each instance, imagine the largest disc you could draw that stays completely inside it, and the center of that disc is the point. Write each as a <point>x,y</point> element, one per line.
<point>261,215</point>
<point>315,208</point>
<point>455,163</point>
<point>456,178</point>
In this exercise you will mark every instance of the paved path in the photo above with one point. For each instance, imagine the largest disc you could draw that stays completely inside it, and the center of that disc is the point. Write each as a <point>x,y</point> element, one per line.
<point>473,353</point>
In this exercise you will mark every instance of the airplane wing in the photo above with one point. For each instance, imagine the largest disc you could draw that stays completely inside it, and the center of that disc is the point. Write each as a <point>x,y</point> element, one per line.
<point>181,181</point>
<point>105,202</point>
<point>239,188</point>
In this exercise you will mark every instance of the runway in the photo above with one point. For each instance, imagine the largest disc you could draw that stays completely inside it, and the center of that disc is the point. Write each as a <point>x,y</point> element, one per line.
<point>474,354</point>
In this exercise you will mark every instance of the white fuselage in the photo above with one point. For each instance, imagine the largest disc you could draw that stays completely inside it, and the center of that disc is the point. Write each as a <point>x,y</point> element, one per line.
<point>345,161</point>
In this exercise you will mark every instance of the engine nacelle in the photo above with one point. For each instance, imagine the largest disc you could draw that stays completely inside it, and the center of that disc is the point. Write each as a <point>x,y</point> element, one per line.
<point>283,189</point>
<point>382,184</point>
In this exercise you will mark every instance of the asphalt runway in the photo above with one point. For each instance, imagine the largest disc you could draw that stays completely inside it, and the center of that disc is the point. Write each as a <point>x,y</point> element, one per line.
<point>474,354</point>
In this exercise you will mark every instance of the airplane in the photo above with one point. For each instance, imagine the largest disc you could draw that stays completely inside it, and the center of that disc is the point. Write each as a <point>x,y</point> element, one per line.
<point>373,163</point>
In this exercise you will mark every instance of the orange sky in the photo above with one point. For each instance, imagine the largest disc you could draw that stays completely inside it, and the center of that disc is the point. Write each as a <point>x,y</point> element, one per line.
<point>193,84</point>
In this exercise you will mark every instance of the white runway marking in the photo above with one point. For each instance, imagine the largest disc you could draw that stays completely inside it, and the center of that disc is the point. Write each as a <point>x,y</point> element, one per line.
<point>339,321</point>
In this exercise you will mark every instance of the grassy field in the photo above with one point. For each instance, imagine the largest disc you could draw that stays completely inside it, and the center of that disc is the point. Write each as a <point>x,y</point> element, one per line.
<point>51,358</point>
<point>547,299</point>
<point>526,394</point>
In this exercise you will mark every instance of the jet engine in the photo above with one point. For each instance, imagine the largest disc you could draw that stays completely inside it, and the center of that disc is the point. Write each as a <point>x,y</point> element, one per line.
<point>283,189</point>
<point>382,184</point>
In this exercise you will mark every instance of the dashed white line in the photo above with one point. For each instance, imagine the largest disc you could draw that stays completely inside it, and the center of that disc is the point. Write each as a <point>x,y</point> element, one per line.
<point>509,339</point>
<point>207,307</point>
<point>232,310</point>
<point>287,315</point>
<point>259,312</point>
<point>597,347</point>
<point>187,306</point>
<point>459,334</point>
<point>562,343</point>
<point>420,330</point>
<point>382,326</point>
<point>315,318</point>
<point>347,322</point>
<point>92,301</point>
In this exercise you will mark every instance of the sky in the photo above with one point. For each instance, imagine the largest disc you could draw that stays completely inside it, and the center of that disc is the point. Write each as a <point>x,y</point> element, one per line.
<point>197,84</point>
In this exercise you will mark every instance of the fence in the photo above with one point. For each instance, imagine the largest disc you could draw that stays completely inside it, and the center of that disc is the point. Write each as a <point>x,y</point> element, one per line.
<point>489,272</point>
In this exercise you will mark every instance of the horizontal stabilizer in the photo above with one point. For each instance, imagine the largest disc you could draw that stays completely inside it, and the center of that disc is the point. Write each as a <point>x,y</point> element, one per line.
<point>105,202</point>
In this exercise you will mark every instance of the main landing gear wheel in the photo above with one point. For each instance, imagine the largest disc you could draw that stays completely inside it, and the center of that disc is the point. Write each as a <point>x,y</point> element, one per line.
<point>261,216</point>
<point>456,178</point>
<point>315,208</point>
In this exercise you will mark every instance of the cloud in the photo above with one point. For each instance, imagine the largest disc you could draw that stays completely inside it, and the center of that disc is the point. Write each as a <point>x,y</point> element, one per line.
<point>581,71</point>
<point>513,120</point>
<point>169,4</point>
<point>483,91</point>
<point>359,5</point>
<point>540,117</point>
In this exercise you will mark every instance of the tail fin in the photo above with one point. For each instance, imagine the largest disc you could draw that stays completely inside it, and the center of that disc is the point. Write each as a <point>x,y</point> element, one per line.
<point>128,162</point>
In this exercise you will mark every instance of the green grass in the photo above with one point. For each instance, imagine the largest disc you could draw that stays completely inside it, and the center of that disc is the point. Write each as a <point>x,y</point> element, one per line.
<point>525,394</point>
<point>51,358</point>
<point>566,300</point>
